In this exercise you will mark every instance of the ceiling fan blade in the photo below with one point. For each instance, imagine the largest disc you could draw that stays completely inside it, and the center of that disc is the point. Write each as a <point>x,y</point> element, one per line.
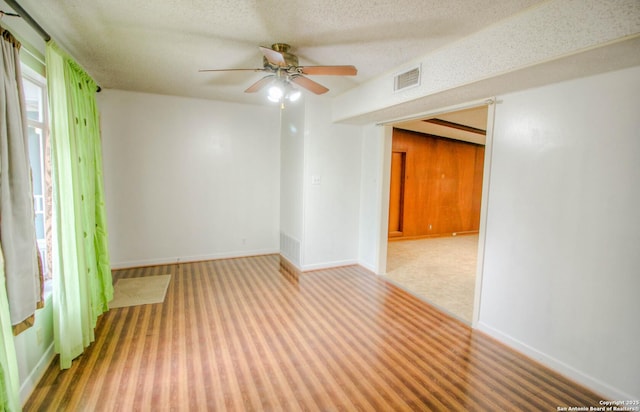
<point>259,84</point>
<point>231,70</point>
<point>329,70</point>
<point>274,57</point>
<point>309,84</point>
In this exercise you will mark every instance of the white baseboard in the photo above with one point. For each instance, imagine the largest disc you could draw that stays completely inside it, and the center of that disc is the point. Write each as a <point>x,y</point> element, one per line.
<point>319,266</point>
<point>602,388</point>
<point>194,258</point>
<point>328,265</point>
<point>369,267</point>
<point>36,374</point>
<point>325,265</point>
<point>288,261</point>
<point>227,255</point>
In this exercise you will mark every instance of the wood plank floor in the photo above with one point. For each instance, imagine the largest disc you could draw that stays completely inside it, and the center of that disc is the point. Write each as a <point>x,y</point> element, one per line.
<point>246,334</point>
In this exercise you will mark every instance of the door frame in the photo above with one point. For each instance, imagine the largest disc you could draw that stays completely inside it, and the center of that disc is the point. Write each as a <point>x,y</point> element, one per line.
<point>486,179</point>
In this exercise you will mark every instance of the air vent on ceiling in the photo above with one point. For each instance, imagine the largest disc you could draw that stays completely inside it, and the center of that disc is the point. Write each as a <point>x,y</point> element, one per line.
<point>407,79</point>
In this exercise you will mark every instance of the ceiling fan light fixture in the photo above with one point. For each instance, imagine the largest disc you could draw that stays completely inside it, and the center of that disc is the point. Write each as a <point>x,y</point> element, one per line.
<point>275,93</point>
<point>282,90</point>
<point>294,95</point>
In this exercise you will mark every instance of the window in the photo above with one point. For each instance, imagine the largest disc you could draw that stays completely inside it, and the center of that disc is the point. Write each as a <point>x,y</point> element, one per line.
<point>36,104</point>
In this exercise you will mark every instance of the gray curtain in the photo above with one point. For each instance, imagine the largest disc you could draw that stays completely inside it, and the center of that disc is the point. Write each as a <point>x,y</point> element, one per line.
<point>17,226</point>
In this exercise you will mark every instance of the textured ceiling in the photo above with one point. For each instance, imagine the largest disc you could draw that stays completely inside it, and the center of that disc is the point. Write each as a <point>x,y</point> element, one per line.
<point>158,46</point>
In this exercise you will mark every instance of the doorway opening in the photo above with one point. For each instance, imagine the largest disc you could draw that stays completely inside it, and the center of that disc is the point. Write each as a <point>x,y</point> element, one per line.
<point>435,199</point>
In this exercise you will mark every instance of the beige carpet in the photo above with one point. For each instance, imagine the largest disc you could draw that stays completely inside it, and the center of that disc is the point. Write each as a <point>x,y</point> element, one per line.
<point>139,291</point>
<point>440,270</point>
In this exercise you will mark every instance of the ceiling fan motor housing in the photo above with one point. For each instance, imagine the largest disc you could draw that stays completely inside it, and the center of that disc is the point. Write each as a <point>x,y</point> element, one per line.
<point>282,48</point>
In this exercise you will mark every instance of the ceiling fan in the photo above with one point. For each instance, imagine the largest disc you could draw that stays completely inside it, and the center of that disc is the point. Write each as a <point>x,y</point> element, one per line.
<point>283,66</point>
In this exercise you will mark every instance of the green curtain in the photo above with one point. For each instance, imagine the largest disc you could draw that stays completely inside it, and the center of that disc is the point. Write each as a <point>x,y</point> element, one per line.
<point>9,385</point>
<point>82,283</point>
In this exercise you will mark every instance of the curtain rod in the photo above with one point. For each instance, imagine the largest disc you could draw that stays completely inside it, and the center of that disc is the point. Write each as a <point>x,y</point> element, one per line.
<point>27,17</point>
<point>34,24</point>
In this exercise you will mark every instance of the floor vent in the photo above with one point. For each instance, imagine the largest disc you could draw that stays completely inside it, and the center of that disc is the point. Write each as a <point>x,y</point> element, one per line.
<point>407,79</point>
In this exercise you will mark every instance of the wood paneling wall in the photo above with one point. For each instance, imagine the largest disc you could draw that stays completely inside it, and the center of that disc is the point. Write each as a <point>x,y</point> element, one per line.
<point>442,186</point>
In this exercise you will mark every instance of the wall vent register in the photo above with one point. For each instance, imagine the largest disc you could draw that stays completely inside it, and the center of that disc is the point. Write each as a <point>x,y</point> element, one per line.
<point>407,79</point>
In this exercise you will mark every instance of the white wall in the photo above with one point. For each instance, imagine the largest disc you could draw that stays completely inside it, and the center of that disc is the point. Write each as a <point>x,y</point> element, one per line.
<point>374,198</point>
<point>188,179</point>
<point>562,262</point>
<point>35,349</point>
<point>332,201</point>
<point>292,181</point>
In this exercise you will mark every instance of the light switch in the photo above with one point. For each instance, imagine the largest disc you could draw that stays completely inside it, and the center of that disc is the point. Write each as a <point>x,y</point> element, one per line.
<point>315,180</point>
